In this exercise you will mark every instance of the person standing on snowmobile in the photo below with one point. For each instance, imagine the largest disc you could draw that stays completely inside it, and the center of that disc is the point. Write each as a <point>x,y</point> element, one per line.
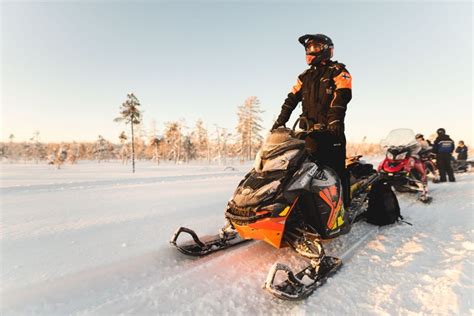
<point>443,147</point>
<point>325,89</point>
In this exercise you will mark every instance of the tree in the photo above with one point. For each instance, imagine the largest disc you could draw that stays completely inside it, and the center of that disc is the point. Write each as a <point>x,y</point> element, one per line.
<point>249,126</point>
<point>130,113</point>
<point>201,141</point>
<point>10,150</point>
<point>155,143</point>
<point>222,140</point>
<point>173,138</point>
<point>101,149</point>
<point>123,137</point>
<point>36,149</point>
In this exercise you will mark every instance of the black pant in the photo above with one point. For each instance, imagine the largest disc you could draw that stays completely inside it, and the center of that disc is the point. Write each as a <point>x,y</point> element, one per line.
<point>329,150</point>
<point>443,160</point>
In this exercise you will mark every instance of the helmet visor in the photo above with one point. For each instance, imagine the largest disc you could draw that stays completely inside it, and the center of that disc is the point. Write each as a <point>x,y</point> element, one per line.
<point>314,48</point>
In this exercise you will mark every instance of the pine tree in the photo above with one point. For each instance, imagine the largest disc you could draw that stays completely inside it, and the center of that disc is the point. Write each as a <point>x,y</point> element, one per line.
<point>130,113</point>
<point>249,127</point>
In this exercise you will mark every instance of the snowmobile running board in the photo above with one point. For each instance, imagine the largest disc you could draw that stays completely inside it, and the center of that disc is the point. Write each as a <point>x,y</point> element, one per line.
<point>304,283</point>
<point>207,245</point>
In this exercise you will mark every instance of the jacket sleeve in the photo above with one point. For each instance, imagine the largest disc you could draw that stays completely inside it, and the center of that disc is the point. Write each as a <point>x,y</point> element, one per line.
<point>292,100</point>
<point>342,95</point>
<point>435,146</point>
<point>452,145</point>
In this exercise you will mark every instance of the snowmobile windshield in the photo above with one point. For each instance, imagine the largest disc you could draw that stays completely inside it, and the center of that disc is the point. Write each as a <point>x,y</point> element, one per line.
<point>277,162</point>
<point>402,137</point>
<point>278,142</point>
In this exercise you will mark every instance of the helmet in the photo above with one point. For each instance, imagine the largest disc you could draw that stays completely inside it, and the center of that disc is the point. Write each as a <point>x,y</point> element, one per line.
<point>417,136</point>
<point>441,131</point>
<point>318,45</point>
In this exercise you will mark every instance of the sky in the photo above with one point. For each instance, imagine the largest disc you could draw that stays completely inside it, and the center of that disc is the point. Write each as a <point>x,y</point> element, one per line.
<point>66,67</point>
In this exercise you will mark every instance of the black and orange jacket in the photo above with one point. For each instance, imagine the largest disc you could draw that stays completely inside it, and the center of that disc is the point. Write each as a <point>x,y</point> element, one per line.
<point>324,91</point>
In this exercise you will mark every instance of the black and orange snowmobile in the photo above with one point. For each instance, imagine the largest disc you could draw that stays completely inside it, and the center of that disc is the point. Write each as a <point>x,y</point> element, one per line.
<point>287,199</point>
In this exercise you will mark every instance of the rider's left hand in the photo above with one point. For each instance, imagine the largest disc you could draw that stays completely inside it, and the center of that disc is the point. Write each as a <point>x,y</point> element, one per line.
<point>335,128</point>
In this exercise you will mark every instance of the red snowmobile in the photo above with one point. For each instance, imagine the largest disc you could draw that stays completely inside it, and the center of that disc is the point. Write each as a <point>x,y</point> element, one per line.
<point>402,165</point>
<point>289,200</point>
<point>429,162</point>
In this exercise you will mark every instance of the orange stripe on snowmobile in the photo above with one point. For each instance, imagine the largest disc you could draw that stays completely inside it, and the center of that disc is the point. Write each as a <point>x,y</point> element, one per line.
<point>269,229</point>
<point>297,87</point>
<point>343,81</point>
<point>324,195</point>
<point>328,195</point>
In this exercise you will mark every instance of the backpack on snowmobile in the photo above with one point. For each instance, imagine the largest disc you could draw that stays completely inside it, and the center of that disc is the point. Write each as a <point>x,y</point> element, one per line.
<point>383,206</point>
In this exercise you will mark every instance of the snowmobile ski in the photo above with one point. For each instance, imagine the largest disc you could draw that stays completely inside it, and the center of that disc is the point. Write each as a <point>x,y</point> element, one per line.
<point>302,284</point>
<point>205,245</point>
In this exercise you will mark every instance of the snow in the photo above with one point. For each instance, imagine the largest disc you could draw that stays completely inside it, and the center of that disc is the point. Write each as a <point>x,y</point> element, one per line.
<point>93,239</point>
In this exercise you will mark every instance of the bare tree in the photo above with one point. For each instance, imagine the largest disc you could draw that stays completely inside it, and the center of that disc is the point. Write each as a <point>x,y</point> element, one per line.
<point>130,113</point>
<point>173,139</point>
<point>10,151</point>
<point>101,149</point>
<point>37,150</point>
<point>222,142</point>
<point>201,141</point>
<point>189,148</point>
<point>155,142</point>
<point>249,127</point>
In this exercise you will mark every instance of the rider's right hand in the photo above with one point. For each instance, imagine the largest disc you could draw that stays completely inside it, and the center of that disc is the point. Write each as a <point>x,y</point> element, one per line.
<point>276,125</point>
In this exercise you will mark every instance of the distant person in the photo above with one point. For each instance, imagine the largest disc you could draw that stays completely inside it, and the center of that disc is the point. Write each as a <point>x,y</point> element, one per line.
<point>425,144</point>
<point>461,150</point>
<point>444,147</point>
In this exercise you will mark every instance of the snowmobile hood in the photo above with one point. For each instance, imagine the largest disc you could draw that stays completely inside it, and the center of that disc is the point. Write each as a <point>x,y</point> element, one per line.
<point>279,141</point>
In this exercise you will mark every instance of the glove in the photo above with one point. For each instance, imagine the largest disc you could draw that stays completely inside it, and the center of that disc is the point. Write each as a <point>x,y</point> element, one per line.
<point>335,128</point>
<point>276,125</point>
<point>283,117</point>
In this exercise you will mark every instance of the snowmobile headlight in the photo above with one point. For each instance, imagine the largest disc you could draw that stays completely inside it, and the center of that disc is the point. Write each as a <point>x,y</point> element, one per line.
<point>389,155</point>
<point>401,156</point>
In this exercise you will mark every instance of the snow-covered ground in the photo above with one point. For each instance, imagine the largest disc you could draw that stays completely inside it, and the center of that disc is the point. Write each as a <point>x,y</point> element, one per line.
<point>93,239</point>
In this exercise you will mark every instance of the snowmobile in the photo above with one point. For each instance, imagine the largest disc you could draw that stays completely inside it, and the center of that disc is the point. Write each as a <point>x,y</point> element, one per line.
<point>398,166</point>
<point>460,166</point>
<point>429,162</point>
<point>287,199</point>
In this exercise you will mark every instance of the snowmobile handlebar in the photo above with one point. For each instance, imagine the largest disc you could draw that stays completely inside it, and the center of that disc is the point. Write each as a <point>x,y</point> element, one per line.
<point>308,128</point>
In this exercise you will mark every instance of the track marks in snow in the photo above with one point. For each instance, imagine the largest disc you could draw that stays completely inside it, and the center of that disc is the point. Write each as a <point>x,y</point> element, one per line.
<point>425,268</point>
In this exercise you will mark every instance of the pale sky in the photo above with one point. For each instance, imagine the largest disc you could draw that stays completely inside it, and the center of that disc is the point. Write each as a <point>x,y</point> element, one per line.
<point>67,66</point>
